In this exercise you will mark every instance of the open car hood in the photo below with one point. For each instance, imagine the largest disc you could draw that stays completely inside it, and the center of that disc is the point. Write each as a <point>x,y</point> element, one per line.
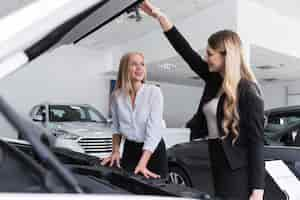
<point>68,22</point>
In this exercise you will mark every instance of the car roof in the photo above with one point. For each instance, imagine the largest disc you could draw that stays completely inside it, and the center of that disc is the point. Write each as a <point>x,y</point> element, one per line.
<point>281,110</point>
<point>64,103</point>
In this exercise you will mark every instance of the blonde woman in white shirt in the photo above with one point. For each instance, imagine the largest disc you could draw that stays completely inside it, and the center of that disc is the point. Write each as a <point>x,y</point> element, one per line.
<point>137,113</point>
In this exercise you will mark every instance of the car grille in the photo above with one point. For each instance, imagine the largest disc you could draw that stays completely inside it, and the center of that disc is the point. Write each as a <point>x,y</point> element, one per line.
<point>96,145</point>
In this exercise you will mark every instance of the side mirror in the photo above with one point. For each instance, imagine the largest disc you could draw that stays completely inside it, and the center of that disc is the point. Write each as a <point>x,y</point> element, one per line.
<point>38,118</point>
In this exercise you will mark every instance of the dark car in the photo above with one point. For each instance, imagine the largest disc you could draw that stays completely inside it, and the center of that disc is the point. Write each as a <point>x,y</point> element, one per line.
<point>189,162</point>
<point>74,172</point>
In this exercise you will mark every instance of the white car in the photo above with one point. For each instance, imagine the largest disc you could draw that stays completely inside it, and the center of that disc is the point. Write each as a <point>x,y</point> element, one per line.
<point>84,129</point>
<point>80,128</point>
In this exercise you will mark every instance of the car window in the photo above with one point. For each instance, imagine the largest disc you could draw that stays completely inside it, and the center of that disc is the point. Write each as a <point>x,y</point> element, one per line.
<point>278,122</point>
<point>68,113</point>
<point>283,130</point>
<point>95,115</point>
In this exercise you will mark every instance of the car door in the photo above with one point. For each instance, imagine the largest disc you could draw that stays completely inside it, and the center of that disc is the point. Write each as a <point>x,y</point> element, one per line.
<point>190,162</point>
<point>290,156</point>
<point>282,143</point>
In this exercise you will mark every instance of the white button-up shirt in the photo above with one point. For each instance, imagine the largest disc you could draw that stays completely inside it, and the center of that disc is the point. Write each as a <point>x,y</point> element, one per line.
<point>142,122</point>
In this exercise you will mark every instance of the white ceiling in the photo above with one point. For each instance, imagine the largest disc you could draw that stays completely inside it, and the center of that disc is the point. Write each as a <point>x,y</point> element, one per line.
<point>283,67</point>
<point>283,7</point>
<point>124,29</point>
<point>267,65</point>
<point>8,6</point>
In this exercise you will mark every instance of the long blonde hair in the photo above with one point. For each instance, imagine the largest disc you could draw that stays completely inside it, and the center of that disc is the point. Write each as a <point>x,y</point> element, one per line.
<point>229,44</point>
<point>124,82</point>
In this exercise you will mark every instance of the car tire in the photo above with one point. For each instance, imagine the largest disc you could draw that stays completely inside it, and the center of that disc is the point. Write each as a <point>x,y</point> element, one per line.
<point>178,176</point>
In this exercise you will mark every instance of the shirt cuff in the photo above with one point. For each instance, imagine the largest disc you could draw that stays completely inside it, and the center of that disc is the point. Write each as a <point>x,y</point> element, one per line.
<point>115,130</point>
<point>151,146</point>
<point>170,32</point>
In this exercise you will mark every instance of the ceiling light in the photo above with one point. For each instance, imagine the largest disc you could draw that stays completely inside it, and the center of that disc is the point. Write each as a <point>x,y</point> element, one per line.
<point>267,67</point>
<point>167,66</point>
<point>270,79</point>
<point>281,65</point>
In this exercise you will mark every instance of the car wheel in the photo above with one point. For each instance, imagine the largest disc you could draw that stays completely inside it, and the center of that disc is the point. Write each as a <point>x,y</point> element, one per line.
<point>178,176</point>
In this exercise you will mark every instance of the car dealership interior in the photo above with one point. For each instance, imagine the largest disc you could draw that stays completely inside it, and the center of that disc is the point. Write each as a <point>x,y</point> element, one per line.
<point>59,65</point>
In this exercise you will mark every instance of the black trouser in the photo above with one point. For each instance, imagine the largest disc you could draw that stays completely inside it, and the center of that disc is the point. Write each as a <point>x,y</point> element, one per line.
<point>229,184</point>
<point>158,162</point>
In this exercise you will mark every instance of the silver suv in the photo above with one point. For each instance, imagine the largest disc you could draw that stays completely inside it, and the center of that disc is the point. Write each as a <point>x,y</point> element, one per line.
<point>80,128</point>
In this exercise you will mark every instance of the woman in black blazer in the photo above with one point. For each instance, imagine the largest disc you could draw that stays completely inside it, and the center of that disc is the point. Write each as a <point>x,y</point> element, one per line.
<point>230,113</point>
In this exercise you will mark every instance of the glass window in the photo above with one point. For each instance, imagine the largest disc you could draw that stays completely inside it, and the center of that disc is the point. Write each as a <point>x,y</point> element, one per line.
<point>67,113</point>
<point>95,115</point>
<point>278,122</point>
<point>283,129</point>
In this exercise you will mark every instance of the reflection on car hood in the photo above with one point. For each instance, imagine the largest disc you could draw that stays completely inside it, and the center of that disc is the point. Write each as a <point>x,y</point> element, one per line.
<point>83,128</point>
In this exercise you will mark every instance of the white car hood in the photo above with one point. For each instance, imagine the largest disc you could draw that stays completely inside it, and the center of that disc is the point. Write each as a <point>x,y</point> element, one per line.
<point>84,128</point>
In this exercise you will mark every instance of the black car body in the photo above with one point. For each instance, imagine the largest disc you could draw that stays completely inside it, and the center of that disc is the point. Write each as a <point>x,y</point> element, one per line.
<point>91,176</point>
<point>189,162</point>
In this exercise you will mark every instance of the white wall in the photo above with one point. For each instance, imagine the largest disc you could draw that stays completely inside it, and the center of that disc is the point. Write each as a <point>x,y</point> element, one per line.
<point>8,6</point>
<point>274,94</point>
<point>266,28</point>
<point>68,74</point>
<point>180,103</point>
<point>293,92</point>
<point>281,94</point>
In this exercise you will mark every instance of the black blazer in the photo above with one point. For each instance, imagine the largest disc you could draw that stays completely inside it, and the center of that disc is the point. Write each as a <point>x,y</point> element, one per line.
<point>248,149</point>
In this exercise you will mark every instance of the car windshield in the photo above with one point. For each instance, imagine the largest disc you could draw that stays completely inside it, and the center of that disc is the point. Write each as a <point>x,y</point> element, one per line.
<point>69,113</point>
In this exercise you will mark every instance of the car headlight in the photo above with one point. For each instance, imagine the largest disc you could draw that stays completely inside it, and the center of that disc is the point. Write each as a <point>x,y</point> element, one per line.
<point>65,134</point>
